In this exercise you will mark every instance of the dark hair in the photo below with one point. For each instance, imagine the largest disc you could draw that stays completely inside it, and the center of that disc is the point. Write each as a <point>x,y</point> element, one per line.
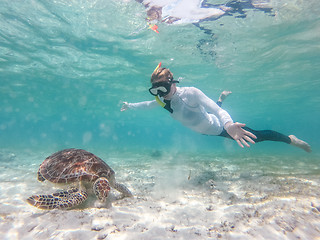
<point>161,75</point>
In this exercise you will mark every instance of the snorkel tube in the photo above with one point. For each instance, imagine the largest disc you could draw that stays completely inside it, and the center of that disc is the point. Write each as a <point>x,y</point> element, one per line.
<point>164,90</point>
<point>159,65</point>
<point>162,104</point>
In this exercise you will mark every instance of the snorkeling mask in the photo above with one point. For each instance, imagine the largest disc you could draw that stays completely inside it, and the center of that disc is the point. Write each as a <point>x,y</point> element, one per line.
<point>161,88</point>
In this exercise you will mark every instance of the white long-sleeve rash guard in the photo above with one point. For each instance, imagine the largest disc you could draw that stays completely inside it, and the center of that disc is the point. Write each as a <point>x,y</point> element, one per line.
<point>194,110</point>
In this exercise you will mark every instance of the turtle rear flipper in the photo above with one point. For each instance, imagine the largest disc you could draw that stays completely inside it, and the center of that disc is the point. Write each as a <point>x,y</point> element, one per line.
<point>59,200</point>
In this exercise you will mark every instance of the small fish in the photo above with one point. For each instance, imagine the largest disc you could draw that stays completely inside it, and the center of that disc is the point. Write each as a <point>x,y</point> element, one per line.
<point>189,177</point>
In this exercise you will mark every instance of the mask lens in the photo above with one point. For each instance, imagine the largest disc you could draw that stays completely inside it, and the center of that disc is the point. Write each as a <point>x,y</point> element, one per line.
<point>161,90</point>
<point>153,91</point>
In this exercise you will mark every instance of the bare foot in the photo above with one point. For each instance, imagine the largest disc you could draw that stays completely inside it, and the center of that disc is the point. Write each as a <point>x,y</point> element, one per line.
<point>299,143</point>
<point>224,95</point>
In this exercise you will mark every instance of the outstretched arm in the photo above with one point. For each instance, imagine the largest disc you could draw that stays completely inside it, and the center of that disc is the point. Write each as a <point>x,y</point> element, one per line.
<point>139,105</point>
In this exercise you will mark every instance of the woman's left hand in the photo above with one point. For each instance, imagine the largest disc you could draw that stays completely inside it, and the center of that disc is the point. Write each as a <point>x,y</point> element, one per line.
<point>242,136</point>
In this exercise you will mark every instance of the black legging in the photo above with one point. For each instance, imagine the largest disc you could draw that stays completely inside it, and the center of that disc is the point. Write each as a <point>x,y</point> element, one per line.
<point>262,135</point>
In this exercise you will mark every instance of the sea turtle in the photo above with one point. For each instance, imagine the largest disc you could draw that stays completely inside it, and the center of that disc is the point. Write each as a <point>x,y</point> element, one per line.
<point>75,166</point>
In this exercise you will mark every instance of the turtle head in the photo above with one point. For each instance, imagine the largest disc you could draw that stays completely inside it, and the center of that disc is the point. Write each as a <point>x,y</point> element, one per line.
<point>101,188</point>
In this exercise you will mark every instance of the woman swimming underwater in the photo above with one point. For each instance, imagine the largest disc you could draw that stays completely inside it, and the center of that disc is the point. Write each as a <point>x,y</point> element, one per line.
<point>195,110</point>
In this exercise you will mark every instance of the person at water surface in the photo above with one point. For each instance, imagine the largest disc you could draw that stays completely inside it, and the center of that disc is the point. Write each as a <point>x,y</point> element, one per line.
<point>195,110</point>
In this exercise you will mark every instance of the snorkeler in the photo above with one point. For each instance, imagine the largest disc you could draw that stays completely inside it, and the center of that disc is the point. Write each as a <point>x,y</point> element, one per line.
<point>195,110</point>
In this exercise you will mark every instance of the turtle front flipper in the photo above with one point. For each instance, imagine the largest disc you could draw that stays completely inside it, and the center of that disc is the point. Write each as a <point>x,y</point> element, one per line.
<point>101,188</point>
<point>59,200</point>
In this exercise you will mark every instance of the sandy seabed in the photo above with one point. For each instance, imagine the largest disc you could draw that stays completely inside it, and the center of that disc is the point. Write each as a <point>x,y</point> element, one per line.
<point>216,199</point>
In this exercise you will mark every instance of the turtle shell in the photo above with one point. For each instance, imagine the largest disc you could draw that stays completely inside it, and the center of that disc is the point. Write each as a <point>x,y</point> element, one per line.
<point>72,165</point>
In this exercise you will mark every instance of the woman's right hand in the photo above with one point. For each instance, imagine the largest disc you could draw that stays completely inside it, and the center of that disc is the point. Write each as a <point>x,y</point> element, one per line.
<point>125,106</point>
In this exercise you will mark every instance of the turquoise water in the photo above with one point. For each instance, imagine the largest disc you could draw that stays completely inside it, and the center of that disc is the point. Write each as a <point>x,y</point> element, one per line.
<point>67,66</point>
